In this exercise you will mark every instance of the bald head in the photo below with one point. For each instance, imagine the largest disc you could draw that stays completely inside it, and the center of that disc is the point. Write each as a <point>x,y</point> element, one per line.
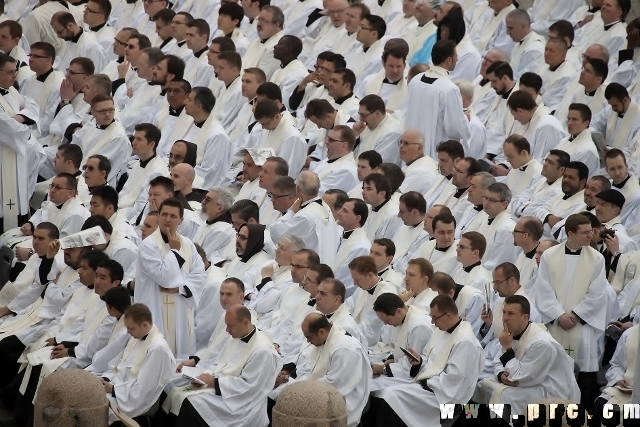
<point>415,70</point>
<point>182,176</point>
<point>519,16</point>
<point>307,184</point>
<point>240,313</point>
<point>186,170</point>
<point>597,51</point>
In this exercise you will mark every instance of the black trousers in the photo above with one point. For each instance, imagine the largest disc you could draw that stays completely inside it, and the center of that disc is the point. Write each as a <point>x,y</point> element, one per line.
<point>589,389</point>
<point>189,416</point>
<point>10,350</point>
<point>380,414</point>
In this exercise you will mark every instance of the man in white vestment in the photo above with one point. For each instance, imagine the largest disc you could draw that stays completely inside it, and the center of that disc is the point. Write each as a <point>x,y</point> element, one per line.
<point>340,90</point>
<point>531,365</point>
<point>37,22</point>
<point>382,251</point>
<point>197,38</point>
<point>230,16</point>
<point>280,134</point>
<point>528,50</point>
<point>18,152</point>
<point>411,235</point>
<point>556,73</point>
<point>335,358</point>
<point>11,35</point>
<point>260,52</point>
<point>570,201</point>
<point>619,122</point>
<point>609,29</point>
<point>488,27</point>
<point>117,49</point>
<point>338,170</point>
<point>44,85</point>
<point>420,168</point>
<point>145,24</point>
<point>425,11</point>
<point>390,83</point>
<point>310,219</point>
<point>173,120</point>
<point>571,289</point>
<point>548,186</point>
<point>292,70</point>
<point>170,279</point>
<point>216,236</point>
<point>369,287</point>
<point>377,130</point>
<point>138,374</point>
<point>382,221</point>
<point>104,134</point>
<point>104,202</point>
<point>95,20</point>
<point>434,91</point>
<point>442,248</point>
<point>63,208</point>
<point>250,256</point>
<point>527,233</point>
<point>78,42</point>
<point>135,193</point>
<point>525,170</point>
<point>229,101</point>
<point>321,114</point>
<point>214,147</point>
<point>126,14</point>
<point>417,292</point>
<point>444,372</point>
<point>127,75</point>
<point>47,297</point>
<point>237,383</point>
<point>533,122</point>
<point>354,241</point>
<point>117,246</point>
<point>483,94</point>
<point>468,270</point>
<point>336,31</point>
<point>579,144</point>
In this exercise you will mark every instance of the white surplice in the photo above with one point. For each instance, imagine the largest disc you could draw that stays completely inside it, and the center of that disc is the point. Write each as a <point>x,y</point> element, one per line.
<point>135,193</point>
<point>360,306</point>
<point>87,46</point>
<point>582,149</point>
<point>260,55</point>
<point>357,244</point>
<point>527,54</point>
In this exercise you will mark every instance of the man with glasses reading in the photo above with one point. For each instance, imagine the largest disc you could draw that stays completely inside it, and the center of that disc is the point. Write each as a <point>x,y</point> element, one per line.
<point>571,288</point>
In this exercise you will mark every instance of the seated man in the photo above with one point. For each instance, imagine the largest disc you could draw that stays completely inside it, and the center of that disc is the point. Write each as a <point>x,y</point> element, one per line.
<point>118,247</point>
<point>444,372</point>
<point>470,271</point>
<point>443,246</point>
<point>382,251</point>
<point>104,201</point>
<point>621,372</point>
<point>532,365</point>
<point>337,359</point>
<point>353,242</point>
<point>338,170</point>
<point>216,235</point>
<point>411,235</point>
<point>382,221</point>
<point>250,256</point>
<point>140,372</point>
<point>370,287</point>
<point>237,384</point>
<point>417,292</point>
<point>468,299</point>
<point>405,327</point>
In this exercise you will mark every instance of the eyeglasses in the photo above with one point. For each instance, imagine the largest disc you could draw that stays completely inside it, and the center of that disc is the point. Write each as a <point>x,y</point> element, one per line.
<point>86,9</point>
<point>121,43</point>
<point>10,72</point>
<point>72,73</point>
<point>88,168</point>
<point>490,200</point>
<point>519,231</point>
<point>323,69</point>
<point>242,237</point>
<point>551,162</point>
<point>487,60</point>
<point>331,140</point>
<point>433,319</point>
<point>33,55</point>
<point>403,143</point>
<point>175,156</point>
<point>265,21</point>
<point>274,197</point>
<point>299,266</point>
<point>365,115</point>
<point>586,233</point>
<point>497,282</point>
<point>105,111</point>
<point>57,187</point>
<point>207,200</point>
<point>159,27</point>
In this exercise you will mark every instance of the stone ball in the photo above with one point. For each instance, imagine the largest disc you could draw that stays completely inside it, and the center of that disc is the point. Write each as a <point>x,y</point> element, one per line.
<point>310,404</point>
<point>71,398</point>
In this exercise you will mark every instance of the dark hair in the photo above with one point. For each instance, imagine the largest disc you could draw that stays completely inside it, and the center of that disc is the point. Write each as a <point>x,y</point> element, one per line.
<point>151,133</point>
<point>477,242</point>
<point>453,148</point>
<point>225,43</point>
<point>373,103</point>
<point>239,283</point>
<point>337,288</point>
<point>116,272</point>
<point>563,157</point>
<point>394,53</point>
<point>101,97</point>
<point>204,97</point>
<point>584,110</point>
<point>394,173</point>
<point>232,10</point>
<point>71,152</point>
<point>201,26</point>
<point>265,108</point>
<point>454,22</point>
<point>442,50</point>
<point>523,302</point>
<point>163,15</point>
<point>388,304</point>
<point>143,40</point>
<point>46,48</point>
<point>341,197</point>
<point>361,209</point>
<point>86,64</point>
<point>104,165</point>
<point>519,142</point>
<point>63,18</point>
<point>139,313</point>
<point>583,170</point>
<point>97,221</point>
<point>521,99</point>
<point>500,69</point>
<point>293,43</point>
<point>232,58</point>
<point>534,227</point>
<point>270,90</point>
<point>108,194</point>
<point>414,200</point>
<point>509,270</point>
<point>347,134</point>
<point>532,80</point>
<point>614,153</point>
<point>312,256</point>
<point>52,230</point>
<point>617,91</point>
<point>445,304</point>
<point>371,156</point>
<point>175,66</point>
<point>563,29</point>
<point>574,221</point>
<point>381,182</point>
<point>347,76</point>
<point>377,24</point>
<point>15,29</point>
<point>323,270</point>
<point>70,181</point>
<point>318,108</point>
<point>389,246</point>
<point>445,219</point>
<point>164,182</point>
<point>94,258</point>
<point>336,59</point>
<point>118,298</point>
<point>319,322</point>
<point>600,68</point>
<point>174,203</point>
<point>246,209</point>
<point>282,168</point>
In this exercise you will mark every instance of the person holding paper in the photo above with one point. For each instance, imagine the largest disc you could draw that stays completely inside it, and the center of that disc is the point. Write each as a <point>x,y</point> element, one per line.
<point>235,394</point>
<point>170,278</point>
<point>445,373</point>
<point>140,372</point>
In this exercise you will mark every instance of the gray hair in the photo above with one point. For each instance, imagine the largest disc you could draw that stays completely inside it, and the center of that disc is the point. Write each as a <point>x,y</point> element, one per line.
<point>466,88</point>
<point>502,189</point>
<point>502,55</point>
<point>520,16</point>
<point>308,183</point>
<point>487,179</point>
<point>225,198</point>
<point>433,4</point>
<point>603,51</point>
<point>297,243</point>
<point>419,135</point>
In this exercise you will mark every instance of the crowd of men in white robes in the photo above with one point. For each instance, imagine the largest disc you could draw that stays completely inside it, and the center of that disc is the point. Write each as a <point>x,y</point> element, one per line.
<point>418,202</point>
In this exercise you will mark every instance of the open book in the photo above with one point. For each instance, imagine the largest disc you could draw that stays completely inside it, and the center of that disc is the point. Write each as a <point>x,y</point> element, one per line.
<point>192,374</point>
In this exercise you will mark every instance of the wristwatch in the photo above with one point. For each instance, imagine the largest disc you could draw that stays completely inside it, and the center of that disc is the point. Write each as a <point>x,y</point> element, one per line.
<point>385,370</point>
<point>65,102</point>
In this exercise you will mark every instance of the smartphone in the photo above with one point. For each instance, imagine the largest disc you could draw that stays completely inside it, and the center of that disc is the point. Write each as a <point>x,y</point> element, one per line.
<point>409,355</point>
